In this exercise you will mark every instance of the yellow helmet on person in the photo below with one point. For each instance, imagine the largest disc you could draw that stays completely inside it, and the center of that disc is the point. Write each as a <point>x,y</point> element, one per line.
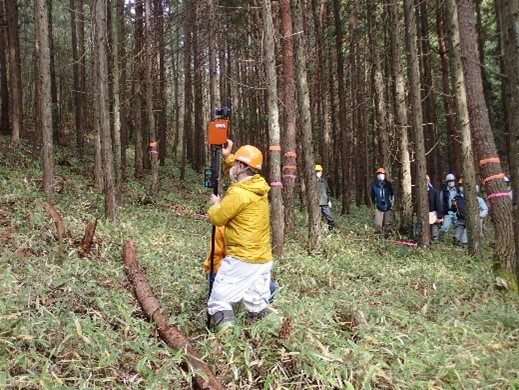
<point>249,155</point>
<point>318,168</point>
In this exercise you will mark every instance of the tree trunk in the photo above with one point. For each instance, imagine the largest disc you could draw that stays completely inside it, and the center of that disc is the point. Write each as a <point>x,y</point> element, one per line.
<point>422,205</point>
<point>137,97</point>
<point>5,125</point>
<point>314,214</point>
<point>432,147</point>
<point>123,95</point>
<point>289,169</point>
<point>406,206</point>
<point>187,139</point>
<point>116,105</point>
<point>509,23</point>
<point>276,200</point>
<point>469,173</point>
<point>154,185</point>
<point>346,185</point>
<point>161,87</point>
<point>453,146</point>
<point>53,85</point>
<point>78,106</point>
<point>43,84</point>
<point>505,264</point>
<point>198,131</point>
<point>102,108</point>
<point>15,67</point>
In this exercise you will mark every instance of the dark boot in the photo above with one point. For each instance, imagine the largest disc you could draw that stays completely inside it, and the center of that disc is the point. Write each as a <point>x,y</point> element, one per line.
<point>222,320</point>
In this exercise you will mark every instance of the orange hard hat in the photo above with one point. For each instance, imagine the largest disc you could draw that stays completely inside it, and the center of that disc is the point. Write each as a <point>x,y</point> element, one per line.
<point>249,155</point>
<point>381,170</point>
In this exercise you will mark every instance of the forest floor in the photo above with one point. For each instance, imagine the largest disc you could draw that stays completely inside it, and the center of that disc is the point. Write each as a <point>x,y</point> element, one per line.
<point>433,317</point>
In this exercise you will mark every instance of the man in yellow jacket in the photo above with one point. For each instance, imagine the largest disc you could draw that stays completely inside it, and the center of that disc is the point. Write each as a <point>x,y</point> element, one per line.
<point>244,273</point>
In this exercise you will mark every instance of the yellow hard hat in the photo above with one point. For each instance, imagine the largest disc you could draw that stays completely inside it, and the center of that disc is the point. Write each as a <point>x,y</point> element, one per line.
<point>318,168</point>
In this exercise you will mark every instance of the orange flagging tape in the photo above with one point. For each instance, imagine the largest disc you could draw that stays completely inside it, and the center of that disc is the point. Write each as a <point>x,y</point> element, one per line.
<point>153,144</point>
<point>290,154</point>
<point>290,167</point>
<point>275,147</point>
<point>489,160</point>
<point>494,177</point>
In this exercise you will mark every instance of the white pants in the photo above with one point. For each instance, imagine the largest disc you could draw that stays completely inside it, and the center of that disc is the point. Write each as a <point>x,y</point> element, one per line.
<point>238,281</point>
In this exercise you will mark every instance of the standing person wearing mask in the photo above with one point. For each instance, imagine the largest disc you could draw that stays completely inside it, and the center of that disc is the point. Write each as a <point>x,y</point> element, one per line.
<point>383,198</point>
<point>448,193</point>
<point>325,201</point>
<point>435,210</point>
<point>244,273</point>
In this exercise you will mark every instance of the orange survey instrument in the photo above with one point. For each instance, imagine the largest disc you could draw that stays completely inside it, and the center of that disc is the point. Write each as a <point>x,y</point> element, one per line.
<point>218,132</point>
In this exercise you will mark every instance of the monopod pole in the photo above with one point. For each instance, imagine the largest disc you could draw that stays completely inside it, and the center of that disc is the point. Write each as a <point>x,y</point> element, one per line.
<point>215,166</point>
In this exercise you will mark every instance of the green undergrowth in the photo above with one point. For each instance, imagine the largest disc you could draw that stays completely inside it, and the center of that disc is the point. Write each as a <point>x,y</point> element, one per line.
<point>363,313</point>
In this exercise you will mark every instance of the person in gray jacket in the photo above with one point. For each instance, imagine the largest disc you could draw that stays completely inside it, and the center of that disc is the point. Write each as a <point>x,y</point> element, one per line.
<point>325,201</point>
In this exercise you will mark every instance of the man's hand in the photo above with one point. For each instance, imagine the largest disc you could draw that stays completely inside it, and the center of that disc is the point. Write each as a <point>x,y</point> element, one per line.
<point>226,150</point>
<point>215,199</point>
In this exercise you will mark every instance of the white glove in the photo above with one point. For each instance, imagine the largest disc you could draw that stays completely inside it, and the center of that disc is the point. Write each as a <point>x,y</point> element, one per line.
<point>330,204</point>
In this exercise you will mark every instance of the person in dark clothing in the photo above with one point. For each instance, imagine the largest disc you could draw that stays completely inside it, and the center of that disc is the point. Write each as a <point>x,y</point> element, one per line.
<point>383,198</point>
<point>435,210</point>
<point>325,200</point>
<point>460,236</point>
<point>448,193</point>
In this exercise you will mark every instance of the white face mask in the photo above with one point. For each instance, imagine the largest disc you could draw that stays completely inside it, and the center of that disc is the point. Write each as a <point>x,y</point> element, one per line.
<point>318,174</point>
<point>451,184</point>
<point>461,190</point>
<point>381,177</point>
<point>232,175</point>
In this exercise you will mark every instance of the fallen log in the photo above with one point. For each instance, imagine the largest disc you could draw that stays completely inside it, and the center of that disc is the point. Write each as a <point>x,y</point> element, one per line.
<point>169,333</point>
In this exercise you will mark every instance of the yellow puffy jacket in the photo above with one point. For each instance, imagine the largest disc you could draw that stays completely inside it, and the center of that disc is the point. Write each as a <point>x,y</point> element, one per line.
<point>244,211</point>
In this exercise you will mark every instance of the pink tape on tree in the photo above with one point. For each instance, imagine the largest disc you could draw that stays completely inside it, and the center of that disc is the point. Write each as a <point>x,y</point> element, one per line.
<point>276,184</point>
<point>498,194</point>
<point>290,176</point>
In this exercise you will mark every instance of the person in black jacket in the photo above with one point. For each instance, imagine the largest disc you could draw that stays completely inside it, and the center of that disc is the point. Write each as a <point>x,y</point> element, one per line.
<point>383,198</point>
<point>460,236</point>
<point>435,210</point>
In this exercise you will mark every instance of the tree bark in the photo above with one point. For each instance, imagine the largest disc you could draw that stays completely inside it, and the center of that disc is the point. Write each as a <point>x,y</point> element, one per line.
<point>78,105</point>
<point>509,23</point>
<point>405,204</point>
<point>102,111</point>
<point>422,205</point>
<point>463,123</point>
<point>53,85</point>
<point>15,66</point>
<point>169,333</point>
<point>453,145</point>
<point>116,103</point>
<point>289,169</point>
<point>43,97</point>
<point>138,92</point>
<point>345,156</point>
<point>276,195</point>
<point>314,215</point>
<point>153,149</point>
<point>505,264</point>
<point>5,123</point>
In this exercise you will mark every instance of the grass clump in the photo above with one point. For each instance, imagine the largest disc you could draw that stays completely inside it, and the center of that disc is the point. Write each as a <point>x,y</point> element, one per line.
<point>363,313</point>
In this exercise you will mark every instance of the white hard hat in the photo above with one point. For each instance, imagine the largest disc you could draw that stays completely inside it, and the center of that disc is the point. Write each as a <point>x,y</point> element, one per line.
<point>450,177</point>
<point>506,179</point>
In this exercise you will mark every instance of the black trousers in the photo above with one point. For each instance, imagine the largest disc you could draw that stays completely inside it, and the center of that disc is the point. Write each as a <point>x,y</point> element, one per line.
<point>326,212</point>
